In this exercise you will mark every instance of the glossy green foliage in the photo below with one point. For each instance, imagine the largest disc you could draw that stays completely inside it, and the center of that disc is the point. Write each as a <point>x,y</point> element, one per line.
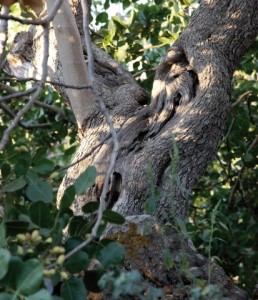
<point>141,32</point>
<point>32,251</point>
<point>232,179</point>
<point>32,227</point>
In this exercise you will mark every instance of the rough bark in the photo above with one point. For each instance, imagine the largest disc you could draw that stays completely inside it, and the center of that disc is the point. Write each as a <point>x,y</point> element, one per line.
<point>189,106</point>
<point>190,101</point>
<point>146,245</point>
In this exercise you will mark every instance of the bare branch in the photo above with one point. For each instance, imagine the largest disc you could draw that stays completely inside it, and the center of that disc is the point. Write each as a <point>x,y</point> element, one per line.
<point>87,39</point>
<point>3,33</point>
<point>73,62</point>
<point>39,88</point>
<point>55,109</point>
<point>18,94</point>
<point>104,110</point>
<point>246,94</point>
<point>12,115</point>
<point>57,83</point>
<point>240,173</point>
<point>85,155</point>
<point>43,22</point>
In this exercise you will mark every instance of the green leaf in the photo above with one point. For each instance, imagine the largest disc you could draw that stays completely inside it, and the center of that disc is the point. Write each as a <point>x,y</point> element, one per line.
<point>40,214</point>
<point>7,296</point>
<point>85,180</point>
<point>118,20</point>
<point>15,266</point>
<point>40,190</point>
<point>78,226</point>
<point>181,224</point>
<point>40,295</point>
<point>248,157</point>
<point>21,167</point>
<point>122,52</point>
<point>113,217</point>
<point>165,40</point>
<point>2,234</point>
<point>73,289</point>
<point>151,205</point>
<point>224,226</point>
<point>77,262</point>
<point>168,259</point>
<point>30,278</point>
<point>67,199</point>
<point>40,153</point>
<point>15,185</point>
<point>5,257</point>
<point>5,170</point>
<point>102,18</point>
<point>16,226</point>
<point>90,207</point>
<point>128,21</point>
<point>112,254</point>
<point>43,166</point>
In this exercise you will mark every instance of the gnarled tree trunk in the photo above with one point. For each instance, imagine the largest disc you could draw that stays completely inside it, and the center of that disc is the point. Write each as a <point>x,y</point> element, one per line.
<point>190,102</point>
<point>189,106</point>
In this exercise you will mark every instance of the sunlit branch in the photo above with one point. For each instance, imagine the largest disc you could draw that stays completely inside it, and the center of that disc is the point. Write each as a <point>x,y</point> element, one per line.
<point>104,110</point>
<point>3,33</point>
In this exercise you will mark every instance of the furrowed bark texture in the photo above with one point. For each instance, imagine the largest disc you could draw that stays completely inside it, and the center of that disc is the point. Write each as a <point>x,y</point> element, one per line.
<point>190,102</point>
<point>188,110</point>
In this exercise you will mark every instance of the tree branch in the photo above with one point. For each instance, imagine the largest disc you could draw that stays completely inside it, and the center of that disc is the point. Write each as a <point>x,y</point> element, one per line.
<point>104,110</point>
<point>39,88</point>
<point>3,33</point>
<point>73,62</point>
<point>55,109</point>
<point>12,115</point>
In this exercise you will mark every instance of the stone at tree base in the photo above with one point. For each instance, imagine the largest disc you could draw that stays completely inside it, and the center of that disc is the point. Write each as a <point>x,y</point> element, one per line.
<point>146,243</point>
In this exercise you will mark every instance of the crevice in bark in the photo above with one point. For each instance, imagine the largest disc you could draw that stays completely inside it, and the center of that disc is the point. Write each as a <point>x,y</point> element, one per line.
<point>115,186</point>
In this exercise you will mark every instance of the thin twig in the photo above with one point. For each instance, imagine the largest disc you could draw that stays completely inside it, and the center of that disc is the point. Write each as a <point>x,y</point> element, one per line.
<point>18,94</point>
<point>3,33</point>
<point>12,115</point>
<point>240,173</point>
<point>50,107</point>
<point>62,84</point>
<point>87,39</point>
<point>39,88</point>
<point>55,109</point>
<point>85,155</point>
<point>43,22</point>
<point>246,94</point>
<point>230,128</point>
<point>104,110</point>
